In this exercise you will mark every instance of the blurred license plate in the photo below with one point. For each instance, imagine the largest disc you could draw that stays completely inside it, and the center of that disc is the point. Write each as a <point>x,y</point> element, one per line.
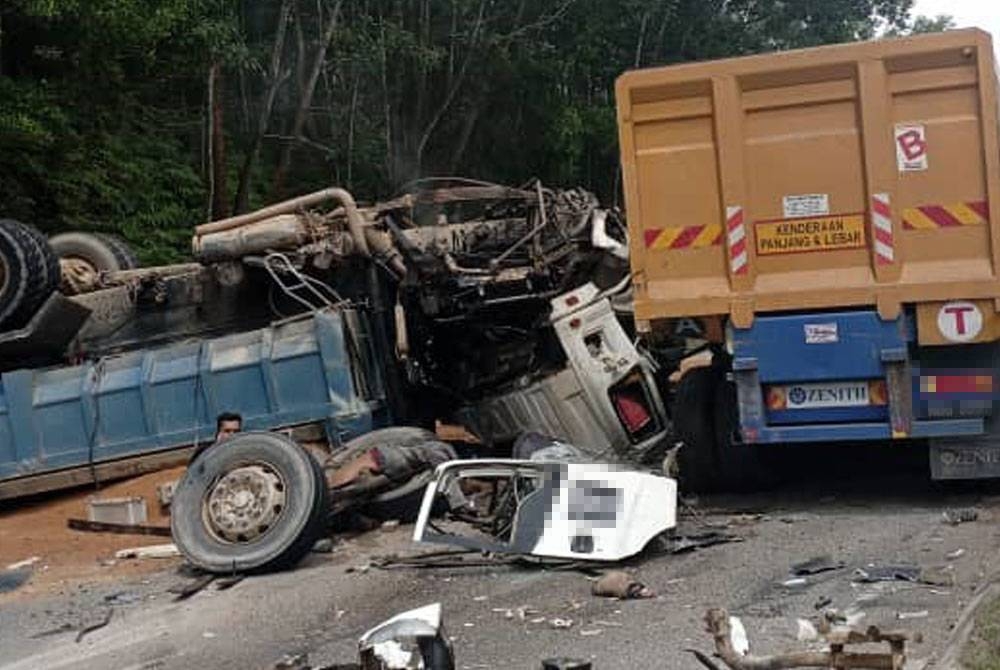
<point>834,394</point>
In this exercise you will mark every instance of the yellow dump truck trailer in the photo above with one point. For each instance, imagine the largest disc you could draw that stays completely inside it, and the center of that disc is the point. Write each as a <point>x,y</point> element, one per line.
<point>831,208</point>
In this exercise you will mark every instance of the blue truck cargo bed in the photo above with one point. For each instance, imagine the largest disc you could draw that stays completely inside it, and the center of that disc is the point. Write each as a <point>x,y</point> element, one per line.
<point>317,369</point>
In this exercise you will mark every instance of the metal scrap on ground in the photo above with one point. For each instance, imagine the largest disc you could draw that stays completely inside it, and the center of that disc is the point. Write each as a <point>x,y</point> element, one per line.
<point>733,649</point>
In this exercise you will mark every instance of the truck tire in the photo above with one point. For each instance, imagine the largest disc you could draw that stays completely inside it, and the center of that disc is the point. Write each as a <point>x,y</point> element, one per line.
<point>24,272</point>
<point>741,467</point>
<point>84,255</point>
<point>52,272</point>
<point>402,501</point>
<point>127,260</point>
<point>255,503</point>
<point>694,424</point>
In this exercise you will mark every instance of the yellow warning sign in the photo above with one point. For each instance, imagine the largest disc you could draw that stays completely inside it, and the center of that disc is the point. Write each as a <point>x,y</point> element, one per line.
<point>825,233</point>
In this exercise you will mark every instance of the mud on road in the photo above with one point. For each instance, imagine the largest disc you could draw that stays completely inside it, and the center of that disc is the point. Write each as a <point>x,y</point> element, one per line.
<point>500,616</point>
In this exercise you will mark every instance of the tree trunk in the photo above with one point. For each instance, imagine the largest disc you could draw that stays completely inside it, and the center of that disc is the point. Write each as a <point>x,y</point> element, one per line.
<point>468,125</point>
<point>305,100</point>
<point>220,197</point>
<point>453,89</point>
<point>352,113</point>
<point>209,164</point>
<point>386,111</point>
<point>277,79</point>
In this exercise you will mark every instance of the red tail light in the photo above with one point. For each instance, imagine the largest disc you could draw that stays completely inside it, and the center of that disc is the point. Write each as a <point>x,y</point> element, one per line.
<point>631,410</point>
<point>636,409</point>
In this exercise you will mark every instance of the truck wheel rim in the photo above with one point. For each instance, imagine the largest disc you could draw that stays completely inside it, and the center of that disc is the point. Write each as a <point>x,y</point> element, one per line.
<point>244,504</point>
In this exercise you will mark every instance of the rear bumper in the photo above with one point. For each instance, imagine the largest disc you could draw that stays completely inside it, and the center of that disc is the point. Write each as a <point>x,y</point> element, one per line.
<point>845,432</point>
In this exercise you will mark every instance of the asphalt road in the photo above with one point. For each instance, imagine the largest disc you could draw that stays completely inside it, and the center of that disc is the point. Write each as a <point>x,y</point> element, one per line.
<point>857,510</point>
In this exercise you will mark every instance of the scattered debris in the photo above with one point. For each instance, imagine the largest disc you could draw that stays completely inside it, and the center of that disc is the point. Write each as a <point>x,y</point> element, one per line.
<point>560,623</point>
<point>933,576</point>
<point>795,582</point>
<point>824,601</point>
<point>125,511</point>
<point>621,585</point>
<point>720,625</point>
<point>738,636</point>
<point>960,515</point>
<point>26,563</point>
<point>121,528</point>
<point>536,505</point>
<point>520,612</point>
<point>151,551</point>
<point>591,632</point>
<point>816,565</point>
<point>409,640</point>
<point>209,635</point>
<point>794,518</point>
<point>887,573</point>
<point>86,630</point>
<point>390,524</point>
<point>565,664</point>
<point>958,553</point>
<point>293,662</point>
<point>324,545</point>
<point>679,544</point>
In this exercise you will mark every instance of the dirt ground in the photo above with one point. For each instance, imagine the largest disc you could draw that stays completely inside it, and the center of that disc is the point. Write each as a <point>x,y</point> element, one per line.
<point>860,511</point>
<point>39,529</point>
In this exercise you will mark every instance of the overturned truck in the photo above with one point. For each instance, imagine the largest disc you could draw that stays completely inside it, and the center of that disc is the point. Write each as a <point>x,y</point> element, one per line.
<point>497,308</point>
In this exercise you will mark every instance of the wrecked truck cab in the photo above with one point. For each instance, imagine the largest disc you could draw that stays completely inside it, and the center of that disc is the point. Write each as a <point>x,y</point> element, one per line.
<point>582,511</point>
<point>604,400</point>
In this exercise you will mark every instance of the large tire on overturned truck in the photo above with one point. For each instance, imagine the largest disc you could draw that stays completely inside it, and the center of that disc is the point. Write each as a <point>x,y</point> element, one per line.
<point>254,503</point>
<point>28,272</point>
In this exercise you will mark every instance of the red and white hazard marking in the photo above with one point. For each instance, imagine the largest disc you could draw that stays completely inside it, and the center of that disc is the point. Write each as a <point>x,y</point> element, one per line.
<point>736,232</point>
<point>959,321</point>
<point>882,228</point>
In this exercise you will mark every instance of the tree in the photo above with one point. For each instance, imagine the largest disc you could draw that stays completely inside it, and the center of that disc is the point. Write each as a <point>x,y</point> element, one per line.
<point>138,117</point>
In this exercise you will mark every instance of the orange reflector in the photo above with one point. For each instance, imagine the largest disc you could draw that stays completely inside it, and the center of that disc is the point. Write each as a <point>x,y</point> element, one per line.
<point>878,394</point>
<point>776,398</point>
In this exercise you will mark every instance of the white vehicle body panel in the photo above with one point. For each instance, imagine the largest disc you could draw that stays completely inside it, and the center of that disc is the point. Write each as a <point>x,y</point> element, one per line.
<point>585,511</point>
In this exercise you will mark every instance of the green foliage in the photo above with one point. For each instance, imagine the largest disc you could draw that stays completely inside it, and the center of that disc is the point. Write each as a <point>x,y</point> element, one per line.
<point>982,651</point>
<point>103,104</point>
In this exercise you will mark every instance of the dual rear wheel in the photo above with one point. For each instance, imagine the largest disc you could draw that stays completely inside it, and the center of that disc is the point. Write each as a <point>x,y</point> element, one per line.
<point>706,420</point>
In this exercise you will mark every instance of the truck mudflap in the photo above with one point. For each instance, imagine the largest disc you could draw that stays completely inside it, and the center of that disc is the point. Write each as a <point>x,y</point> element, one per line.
<point>965,458</point>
